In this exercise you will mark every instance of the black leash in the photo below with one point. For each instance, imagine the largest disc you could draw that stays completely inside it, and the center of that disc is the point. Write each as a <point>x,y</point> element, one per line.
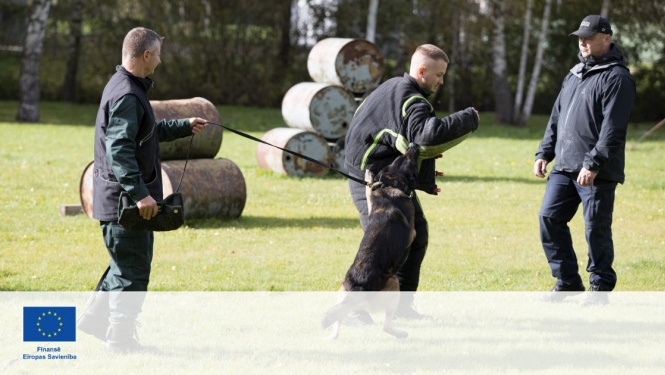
<point>186,160</point>
<point>289,151</point>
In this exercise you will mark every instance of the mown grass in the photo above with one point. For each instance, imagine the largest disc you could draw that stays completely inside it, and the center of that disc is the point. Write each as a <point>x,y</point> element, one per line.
<point>302,233</point>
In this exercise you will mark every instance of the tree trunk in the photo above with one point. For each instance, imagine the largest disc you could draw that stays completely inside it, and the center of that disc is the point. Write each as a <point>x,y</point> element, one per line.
<point>402,58</point>
<point>464,66</point>
<point>450,74</point>
<point>519,92</point>
<point>542,39</point>
<point>69,86</point>
<point>371,20</point>
<point>28,110</point>
<point>502,100</point>
<point>286,10</point>
<point>605,8</point>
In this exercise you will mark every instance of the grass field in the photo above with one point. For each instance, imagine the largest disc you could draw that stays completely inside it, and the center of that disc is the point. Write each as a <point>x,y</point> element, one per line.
<point>301,234</point>
<point>486,333</point>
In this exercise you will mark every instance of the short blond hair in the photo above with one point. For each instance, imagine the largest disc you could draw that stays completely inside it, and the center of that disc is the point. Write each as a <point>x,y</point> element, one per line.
<point>138,40</point>
<point>432,52</point>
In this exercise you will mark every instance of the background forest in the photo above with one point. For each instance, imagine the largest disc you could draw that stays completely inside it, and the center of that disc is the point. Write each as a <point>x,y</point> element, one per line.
<point>250,52</point>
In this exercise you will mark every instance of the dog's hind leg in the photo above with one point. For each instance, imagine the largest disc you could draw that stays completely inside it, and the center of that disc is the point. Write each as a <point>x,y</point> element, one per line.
<point>335,332</point>
<point>333,316</point>
<point>392,296</point>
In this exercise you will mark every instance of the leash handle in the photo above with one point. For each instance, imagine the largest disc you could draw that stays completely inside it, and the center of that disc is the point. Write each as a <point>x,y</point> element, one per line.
<point>363,182</point>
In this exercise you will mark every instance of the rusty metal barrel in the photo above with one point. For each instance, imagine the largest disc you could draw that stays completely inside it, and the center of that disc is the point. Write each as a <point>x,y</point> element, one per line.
<point>211,187</point>
<point>355,64</point>
<point>337,156</point>
<point>206,144</point>
<point>301,141</point>
<point>319,107</point>
<point>86,189</point>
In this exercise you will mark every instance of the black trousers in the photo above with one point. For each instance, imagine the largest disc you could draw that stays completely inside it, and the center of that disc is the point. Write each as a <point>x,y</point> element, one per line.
<point>563,196</point>
<point>409,274</point>
<point>129,273</point>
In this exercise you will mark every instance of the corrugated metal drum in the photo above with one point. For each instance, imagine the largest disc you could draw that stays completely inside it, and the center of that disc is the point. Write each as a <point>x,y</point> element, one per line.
<point>211,187</point>
<point>356,64</point>
<point>301,141</point>
<point>319,107</point>
<point>206,144</point>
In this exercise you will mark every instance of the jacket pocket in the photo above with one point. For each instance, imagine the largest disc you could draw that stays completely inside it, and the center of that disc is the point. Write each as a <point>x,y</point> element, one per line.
<point>147,137</point>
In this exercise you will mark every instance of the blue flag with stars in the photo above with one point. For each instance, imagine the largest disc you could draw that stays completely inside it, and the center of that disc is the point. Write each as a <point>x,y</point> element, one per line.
<point>49,323</point>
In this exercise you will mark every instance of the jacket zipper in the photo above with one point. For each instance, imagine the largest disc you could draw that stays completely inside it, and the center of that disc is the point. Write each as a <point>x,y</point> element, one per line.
<point>565,125</point>
<point>148,136</point>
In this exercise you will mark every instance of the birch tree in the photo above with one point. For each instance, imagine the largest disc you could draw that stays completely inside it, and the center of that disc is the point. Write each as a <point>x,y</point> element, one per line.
<point>28,110</point>
<point>542,39</point>
<point>605,8</point>
<point>502,97</point>
<point>519,90</point>
<point>371,20</point>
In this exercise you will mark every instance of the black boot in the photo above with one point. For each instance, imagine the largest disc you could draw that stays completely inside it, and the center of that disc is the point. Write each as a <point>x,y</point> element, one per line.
<point>122,338</point>
<point>406,310</point>
<point>95,318</point>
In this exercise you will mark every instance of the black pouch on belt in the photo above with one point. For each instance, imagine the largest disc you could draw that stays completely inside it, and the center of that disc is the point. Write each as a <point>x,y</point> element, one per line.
<point>171,214</point>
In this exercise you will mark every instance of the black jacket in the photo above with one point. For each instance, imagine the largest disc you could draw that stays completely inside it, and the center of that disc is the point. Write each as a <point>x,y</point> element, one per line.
<point>394,115</point>
<point>589,120</point>
<point>127,144</point>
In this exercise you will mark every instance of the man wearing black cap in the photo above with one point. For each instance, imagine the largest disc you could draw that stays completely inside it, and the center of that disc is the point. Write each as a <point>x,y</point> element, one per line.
<point>586,134</point>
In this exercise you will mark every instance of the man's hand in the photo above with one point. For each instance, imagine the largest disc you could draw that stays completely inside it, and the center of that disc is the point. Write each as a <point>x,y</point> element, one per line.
<point>586,177</point>
<point>147,208</point>
<point>197,124</point>
<point>540,168</point>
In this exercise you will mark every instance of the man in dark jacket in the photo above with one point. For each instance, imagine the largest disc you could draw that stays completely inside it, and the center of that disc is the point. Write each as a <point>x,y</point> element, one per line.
<point>127,159</point>
<point>394,115</point>
<point>587,135</point>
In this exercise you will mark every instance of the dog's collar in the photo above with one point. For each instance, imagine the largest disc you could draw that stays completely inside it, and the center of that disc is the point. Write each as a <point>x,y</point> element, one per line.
<point>383,181</point>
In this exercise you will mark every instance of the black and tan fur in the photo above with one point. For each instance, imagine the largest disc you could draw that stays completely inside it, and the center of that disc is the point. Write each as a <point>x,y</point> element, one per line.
<point>384,246</point>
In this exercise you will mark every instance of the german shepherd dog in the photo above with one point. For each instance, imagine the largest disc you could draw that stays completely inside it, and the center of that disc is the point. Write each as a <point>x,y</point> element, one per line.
<point>384,246</point>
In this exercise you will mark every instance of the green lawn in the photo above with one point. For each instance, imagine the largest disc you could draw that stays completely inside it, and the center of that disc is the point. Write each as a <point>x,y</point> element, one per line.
<point>301,234</point>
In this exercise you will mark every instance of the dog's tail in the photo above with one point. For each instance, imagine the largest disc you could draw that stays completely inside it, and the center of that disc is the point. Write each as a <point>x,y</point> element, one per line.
<point>342,309</point>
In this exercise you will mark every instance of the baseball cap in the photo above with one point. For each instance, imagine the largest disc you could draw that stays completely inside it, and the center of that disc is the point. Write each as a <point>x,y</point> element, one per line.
<point>591,25</point>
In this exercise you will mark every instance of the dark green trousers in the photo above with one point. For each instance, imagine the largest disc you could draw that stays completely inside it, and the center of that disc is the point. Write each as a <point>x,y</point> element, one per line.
<point>129,273</point>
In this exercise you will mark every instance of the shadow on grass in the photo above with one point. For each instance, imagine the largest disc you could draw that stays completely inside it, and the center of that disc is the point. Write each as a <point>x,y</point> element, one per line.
<point>250,222</point>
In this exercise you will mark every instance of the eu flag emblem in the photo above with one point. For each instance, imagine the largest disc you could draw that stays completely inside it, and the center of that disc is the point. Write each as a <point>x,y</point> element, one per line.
<point>49,323</point>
